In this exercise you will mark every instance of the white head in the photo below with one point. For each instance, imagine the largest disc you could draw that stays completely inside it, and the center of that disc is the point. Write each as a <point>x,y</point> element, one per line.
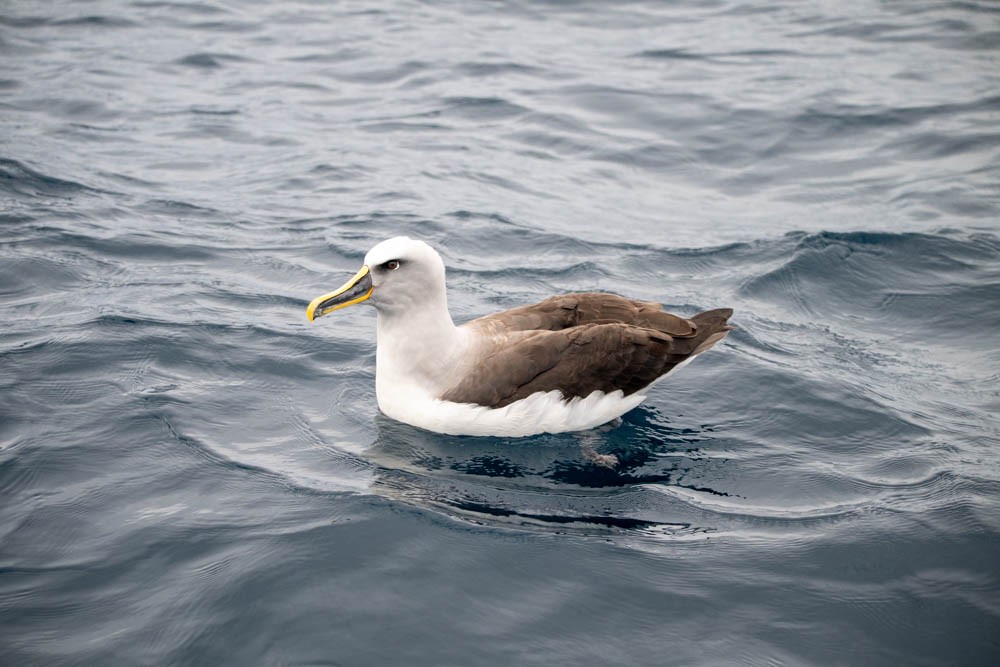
<point>405,273</point>
<point>400,275</point>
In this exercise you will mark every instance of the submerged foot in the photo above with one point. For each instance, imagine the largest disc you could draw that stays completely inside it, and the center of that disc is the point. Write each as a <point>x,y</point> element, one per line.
<point>608,461</point>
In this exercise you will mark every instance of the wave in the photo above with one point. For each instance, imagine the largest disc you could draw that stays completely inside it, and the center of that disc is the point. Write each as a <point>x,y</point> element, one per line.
<point>905,286</point>
<point>19,180</point>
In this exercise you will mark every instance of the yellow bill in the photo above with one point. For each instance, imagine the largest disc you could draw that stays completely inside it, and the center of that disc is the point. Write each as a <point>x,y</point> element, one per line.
<point>355,290</point>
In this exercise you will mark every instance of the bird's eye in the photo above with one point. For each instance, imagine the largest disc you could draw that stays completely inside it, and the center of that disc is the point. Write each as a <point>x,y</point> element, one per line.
<point>392,264</point>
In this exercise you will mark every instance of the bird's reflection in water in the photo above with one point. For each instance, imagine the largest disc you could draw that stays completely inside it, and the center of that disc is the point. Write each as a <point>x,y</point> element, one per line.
<point>550,481</point>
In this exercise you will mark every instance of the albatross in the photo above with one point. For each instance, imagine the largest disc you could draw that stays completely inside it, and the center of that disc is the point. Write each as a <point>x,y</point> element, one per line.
<point>569,363</point>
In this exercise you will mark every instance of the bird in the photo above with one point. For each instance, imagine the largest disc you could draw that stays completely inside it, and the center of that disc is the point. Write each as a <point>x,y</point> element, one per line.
<point>571,362</point>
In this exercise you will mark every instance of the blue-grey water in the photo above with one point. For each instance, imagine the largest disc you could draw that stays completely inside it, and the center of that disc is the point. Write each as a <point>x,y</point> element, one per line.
<point>193,474</point>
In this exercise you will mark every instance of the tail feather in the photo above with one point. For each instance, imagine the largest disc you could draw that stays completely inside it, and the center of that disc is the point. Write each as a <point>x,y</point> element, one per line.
<point>715,322</point>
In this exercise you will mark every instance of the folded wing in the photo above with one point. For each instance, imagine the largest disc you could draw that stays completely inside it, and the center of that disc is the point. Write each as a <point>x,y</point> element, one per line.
<point>593,354</point>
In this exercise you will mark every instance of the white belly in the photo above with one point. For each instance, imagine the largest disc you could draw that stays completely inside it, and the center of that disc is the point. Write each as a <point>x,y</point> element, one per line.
<point>543,412</point>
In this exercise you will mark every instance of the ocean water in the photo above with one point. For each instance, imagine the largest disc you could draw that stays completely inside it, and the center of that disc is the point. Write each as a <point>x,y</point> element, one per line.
<point>193,474</point>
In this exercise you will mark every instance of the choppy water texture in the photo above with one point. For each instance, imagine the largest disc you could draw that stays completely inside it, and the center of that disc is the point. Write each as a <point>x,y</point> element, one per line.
<point>193,474</point>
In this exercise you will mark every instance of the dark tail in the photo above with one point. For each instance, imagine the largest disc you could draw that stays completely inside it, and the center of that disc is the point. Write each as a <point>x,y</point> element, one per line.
<point>714,326</point>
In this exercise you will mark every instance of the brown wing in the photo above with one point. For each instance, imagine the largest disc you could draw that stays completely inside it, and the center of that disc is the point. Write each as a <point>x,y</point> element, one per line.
<point>582,359</point>
<point>571,310</point>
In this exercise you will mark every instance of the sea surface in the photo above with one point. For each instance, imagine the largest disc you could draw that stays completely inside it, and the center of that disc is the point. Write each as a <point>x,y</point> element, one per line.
<point>191,473</point>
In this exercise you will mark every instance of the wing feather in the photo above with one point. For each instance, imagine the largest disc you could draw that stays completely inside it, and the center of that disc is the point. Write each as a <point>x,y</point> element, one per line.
<point>580,359</point>
<point>571,310</point>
